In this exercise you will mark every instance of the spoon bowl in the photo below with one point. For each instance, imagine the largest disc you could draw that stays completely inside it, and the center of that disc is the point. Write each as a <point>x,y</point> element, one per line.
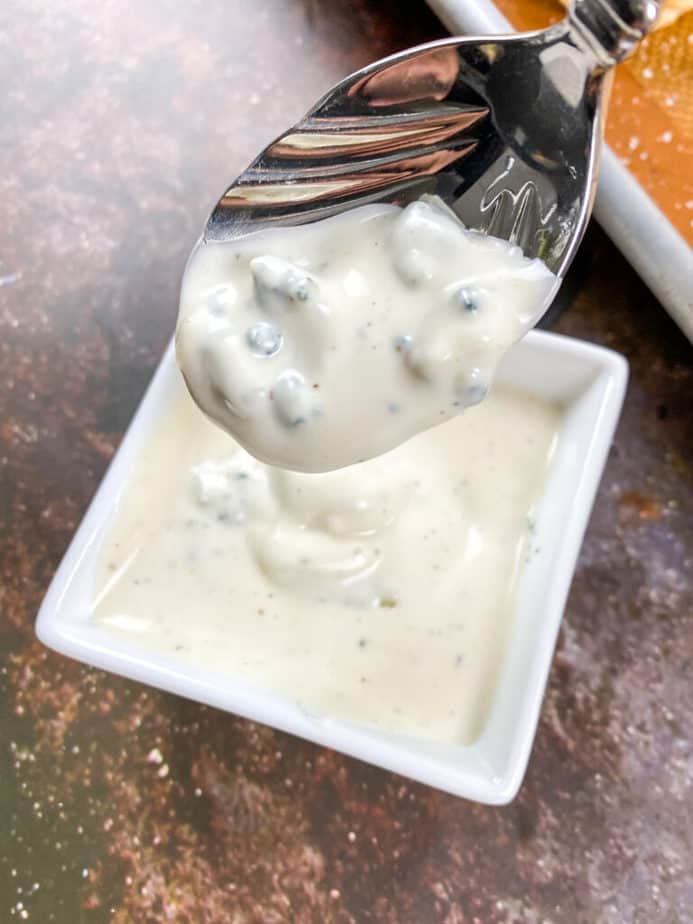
<point>506,130</point>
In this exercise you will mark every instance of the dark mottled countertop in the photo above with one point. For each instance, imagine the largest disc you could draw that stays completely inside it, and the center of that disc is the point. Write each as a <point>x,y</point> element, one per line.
<point>121,122</point>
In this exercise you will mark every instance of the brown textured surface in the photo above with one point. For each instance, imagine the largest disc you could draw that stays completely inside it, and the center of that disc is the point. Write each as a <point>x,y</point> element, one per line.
<point>122,121</point>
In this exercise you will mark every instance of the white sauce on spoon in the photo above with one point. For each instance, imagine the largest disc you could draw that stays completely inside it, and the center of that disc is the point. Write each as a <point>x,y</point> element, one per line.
<point>320,346</point>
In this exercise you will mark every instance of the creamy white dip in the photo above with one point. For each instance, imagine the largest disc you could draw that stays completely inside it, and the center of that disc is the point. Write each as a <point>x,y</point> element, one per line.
<point>324,345</point>
<point>380,593</point>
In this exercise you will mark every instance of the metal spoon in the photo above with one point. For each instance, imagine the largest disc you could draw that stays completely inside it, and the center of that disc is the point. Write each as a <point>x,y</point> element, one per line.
<point>505,129</point>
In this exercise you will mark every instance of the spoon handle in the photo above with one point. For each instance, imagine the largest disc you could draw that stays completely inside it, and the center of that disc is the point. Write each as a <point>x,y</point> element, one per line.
<point>612,28</point>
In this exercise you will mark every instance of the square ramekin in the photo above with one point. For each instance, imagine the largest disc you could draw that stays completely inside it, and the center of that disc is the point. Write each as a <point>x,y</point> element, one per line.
<point>589,382</point>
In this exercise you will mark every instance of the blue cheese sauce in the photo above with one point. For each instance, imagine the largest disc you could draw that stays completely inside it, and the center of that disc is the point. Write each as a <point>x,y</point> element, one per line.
<point>320,346</point>
<point>379,593</point>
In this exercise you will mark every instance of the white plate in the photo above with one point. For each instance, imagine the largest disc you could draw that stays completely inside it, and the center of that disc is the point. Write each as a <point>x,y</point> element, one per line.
<point>590,382</point>
<point>640,230</point>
